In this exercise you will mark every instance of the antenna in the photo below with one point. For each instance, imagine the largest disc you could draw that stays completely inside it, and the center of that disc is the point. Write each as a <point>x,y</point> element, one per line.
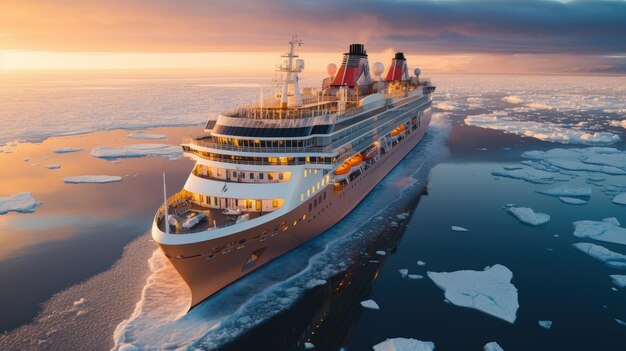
<point>167,220</point>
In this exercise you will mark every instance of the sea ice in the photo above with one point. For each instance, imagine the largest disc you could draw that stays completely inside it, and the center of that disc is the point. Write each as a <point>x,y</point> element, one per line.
<point>512,99</point>
<point>489,291</point>
<point>404,344</point>
<point>20,202</point>
<point>79,302</point>
<point>528,216</point>
<point>138,150</point>
<point>370,304</point>
<point>572,200</point>
<point>381,253</point>
<point>459,229</point>
<point>308,346</point>
<point>566,190</point>
<point>146,136</point>
<point>600,253</point>
<point>593,159</point>
<point>607,230</point>
<point>492,346</point>
<point>545,324</point>
<point>92,179</point>
<point>621,123</point>
<point>531,175</point>
<point>54,166</point>
<point>421,263</point>
<point>619,321</point>
<point>64,150</point>
<point>619,280</point>
<point>542,131</point>
<point>415,276</point>
<point>403,272</point>
<point>620,199</point>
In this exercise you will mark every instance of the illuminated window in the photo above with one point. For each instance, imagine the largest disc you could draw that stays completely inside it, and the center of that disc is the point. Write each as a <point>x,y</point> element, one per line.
<point>308,192</point>
<point>318,185</point>
<point>313,189</point>
<point>295,222</point>
<point>305,173</point>
<point>301,197</point>
<point>275,203</point>
<point>316,171</point>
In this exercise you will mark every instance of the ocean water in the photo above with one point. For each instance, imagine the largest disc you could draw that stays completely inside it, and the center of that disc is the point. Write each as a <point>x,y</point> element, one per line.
<point>112,289</point>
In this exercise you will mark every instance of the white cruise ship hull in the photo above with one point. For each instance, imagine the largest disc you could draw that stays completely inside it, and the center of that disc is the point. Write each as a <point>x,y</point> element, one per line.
<point>206,274</point>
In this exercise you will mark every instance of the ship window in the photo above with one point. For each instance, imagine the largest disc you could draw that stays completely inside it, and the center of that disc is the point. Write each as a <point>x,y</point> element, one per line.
<point>301,197</point>
<point>324,195</point>
<point>251,175</point>
<point>315,203</point>
<point>295,222</point>
<point>280,176</point>
<point>270,176</point>
<point>275,203</point>
<point>313,189</point>
<point>248,203</point>
<point>261,176</point>
<point>308,192</point>
<point>243,175</point>
<point>310,206</point>
<point>305,173</point>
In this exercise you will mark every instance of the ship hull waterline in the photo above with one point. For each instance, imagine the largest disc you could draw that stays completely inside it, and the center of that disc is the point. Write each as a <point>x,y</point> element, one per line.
<point>205,277</point>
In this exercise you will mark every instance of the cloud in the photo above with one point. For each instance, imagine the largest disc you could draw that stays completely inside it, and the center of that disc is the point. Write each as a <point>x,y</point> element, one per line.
<point>433,27</point>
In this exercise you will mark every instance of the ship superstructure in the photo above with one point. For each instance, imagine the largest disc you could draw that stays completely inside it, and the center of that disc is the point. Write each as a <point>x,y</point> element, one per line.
<point>270,176</point>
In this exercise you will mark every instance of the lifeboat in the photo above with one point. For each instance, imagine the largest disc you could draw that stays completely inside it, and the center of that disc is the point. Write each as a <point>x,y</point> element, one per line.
<point>342,171</point>
<point>369,153</point>
<point>355,160</point>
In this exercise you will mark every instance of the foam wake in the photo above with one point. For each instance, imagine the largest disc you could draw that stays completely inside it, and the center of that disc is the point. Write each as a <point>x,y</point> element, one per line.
<point>159,320</point>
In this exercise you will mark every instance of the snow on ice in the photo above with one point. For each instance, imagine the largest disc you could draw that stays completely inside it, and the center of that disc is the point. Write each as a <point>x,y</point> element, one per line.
<point>371,304</point>
<point>92,179</point>
<point>138,150</point>
<point>20,202</point>
<point>404,344</point>
<point>620,199</point>
<point>600,253</point>
<point>528,216</point>
<point>607,230</point>
<point>489,291</point>
<point>566,190</point>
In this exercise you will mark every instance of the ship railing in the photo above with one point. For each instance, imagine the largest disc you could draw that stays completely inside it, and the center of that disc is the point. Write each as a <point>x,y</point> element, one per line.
<point>213,145</point>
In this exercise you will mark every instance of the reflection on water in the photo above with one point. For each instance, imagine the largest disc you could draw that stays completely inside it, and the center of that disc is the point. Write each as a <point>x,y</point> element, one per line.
<point>81,228</point>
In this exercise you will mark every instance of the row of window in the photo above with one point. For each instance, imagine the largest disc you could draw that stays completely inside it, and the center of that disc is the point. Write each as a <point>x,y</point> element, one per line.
<point>255,160</point>
<point>315,187</point>
<point>240,176</point>
<point>261,143</point>
<point>271,132</point>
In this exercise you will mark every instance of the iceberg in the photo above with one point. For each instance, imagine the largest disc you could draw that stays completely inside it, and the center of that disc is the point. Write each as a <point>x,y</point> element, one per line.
<point>65,150</point>
<point>20,202</point>
<point>404,344</point>
<point>572,200</point>
<point>620,199</point>
<point>138,150</point>
<point>92,179</point>
<point>489,291</point>
<point>545,324</point>
<point>567,191</point>
<point>54,166</point>
<point>528,216</point>
<point>146,136</point>
<point>600,253</point>
<point>607,230</point>
<point>492,346</point>
<point>459,229</point>
<point>619,280</point>
<point>542,131</point>
<point>371,304</point>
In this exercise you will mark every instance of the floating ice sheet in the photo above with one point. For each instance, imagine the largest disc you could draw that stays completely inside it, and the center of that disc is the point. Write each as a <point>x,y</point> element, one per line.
<point>138,150</point>
<point>54,166</point>
<point>531,175</point>
<point>404,344</point>
<point>20,202</point>
<point>592,159</point>
<point>600,253</point>
<point>65,150</point>
<point>459,229</point>
<point>607,230</point>
<point>92,179</point>
<point>492,346</point>
<point>620,199</point>
<point>146,136</point>
<point>572,200</point>
<point>566,190</point>
<point>371,304</point>
<point>545,324</point>
<point>619,280</point>
<point>489,291</point>
<point>528,216</point>
<point>540,130</point>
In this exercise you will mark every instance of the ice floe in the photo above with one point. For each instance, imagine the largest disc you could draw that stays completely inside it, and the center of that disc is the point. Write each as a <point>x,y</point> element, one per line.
<point>146,136</point>
<point>531,175</point>
<point>513,99</point>
<point>619,321</point>
<point>415,276</point>
<point>138,150</point>
<point>621,123</point>
<point>620,199</point>
<point>381,253</point>
<point>308,346</point>
<point>20,202</point>
<point>545,324</point>
<point>79,302</point>
<point>619,280</point>
<point>54,166</point>
<point>404,344</point>
<point>572,200</point>
<point>489,291</point>
<point>607,230</point>
<point>459,229</point>
<point>421,263</point>
<point>592,159</point>
<point>371,304</point>
<point>542,131</point>
<point>528,216</point>
<point>65,150</point>
<point>566,190</point>
<point>446,106</point>
<point>403,272</point>
<point>92,179</point>
<point>492,346</point>
<point>600,253</point>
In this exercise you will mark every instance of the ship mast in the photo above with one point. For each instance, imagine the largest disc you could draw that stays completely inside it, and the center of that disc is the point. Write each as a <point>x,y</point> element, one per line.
<point>290,85</point>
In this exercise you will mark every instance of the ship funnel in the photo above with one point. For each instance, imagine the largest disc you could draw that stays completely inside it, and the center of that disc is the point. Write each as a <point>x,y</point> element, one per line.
<point>398,69</point>
<point>354,70</point>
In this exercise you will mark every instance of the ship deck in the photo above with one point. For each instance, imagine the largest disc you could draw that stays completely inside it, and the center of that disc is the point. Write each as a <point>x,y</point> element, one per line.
<point>215,218</point>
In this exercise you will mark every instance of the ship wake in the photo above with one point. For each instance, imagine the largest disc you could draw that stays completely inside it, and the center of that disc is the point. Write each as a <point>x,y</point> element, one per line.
<point>160,321</point>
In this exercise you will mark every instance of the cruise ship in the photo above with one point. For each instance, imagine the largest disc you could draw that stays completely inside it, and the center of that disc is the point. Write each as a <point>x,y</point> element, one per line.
<point>270,176</point>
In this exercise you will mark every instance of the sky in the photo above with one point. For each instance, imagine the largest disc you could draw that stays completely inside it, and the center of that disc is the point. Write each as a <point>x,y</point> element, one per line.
<point>475,36</point>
